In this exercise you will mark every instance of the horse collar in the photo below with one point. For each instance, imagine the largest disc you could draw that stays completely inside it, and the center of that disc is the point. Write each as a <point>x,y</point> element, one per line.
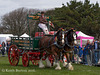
<point>55,43</point>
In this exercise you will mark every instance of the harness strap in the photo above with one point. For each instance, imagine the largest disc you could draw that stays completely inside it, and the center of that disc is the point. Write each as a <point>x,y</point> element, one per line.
<point>68,44</point>
<point>68,51</point>
<point>55,43</point>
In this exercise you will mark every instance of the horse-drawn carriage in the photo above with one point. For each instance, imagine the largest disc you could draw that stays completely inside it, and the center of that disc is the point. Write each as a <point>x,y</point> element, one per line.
<point>27,47</point>
<point>31,48</point>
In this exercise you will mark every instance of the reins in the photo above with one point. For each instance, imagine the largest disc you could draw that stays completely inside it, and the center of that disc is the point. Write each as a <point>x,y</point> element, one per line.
<point>55,43</point>
<point>67,43</point>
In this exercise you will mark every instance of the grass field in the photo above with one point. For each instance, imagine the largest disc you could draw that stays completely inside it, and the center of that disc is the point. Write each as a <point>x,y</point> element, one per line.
<point>7,69</point>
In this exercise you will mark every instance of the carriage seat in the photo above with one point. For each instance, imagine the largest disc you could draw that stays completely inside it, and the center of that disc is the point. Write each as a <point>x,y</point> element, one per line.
<point>41,34</point>
<point>48,35</point>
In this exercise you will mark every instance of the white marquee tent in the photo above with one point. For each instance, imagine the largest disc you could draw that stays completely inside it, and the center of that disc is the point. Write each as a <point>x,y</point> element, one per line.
<point>5,37</point>
<point>24,35</point>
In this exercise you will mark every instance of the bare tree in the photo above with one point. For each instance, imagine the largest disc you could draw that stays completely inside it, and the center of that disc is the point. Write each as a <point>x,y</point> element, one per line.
<point>15,22</point>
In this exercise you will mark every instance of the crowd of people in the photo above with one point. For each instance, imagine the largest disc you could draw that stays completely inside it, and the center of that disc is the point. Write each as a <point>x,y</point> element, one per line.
<point>89,54</point>
<point>4,47</point>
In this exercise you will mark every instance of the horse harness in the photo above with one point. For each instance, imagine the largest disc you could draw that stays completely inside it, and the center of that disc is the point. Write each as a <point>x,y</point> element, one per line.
<point>58,46</point>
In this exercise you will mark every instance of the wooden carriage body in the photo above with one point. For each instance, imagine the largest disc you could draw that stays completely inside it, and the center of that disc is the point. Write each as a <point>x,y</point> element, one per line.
<point>26,43</point>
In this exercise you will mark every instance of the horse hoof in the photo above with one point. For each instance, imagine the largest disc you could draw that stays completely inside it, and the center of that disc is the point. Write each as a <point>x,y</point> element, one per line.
<point>64,64</point>
<point>42,66</point>
<point>58,68</point>
<point>48,66</point>
<point>71,68</point>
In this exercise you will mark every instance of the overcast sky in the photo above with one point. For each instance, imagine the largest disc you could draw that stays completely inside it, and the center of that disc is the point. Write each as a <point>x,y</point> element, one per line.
<point>8,5</point>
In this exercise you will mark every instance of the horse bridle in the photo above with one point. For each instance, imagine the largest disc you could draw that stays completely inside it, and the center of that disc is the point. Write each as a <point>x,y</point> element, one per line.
<point>60,40</point>
<point>66,39</point>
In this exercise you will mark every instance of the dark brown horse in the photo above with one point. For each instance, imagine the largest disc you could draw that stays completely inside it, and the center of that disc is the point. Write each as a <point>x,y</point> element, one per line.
<point>68,49</point>
<point>52,47</point>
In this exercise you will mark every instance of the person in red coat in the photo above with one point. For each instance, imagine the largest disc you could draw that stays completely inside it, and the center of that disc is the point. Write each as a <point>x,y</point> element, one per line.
<point>42,23</point>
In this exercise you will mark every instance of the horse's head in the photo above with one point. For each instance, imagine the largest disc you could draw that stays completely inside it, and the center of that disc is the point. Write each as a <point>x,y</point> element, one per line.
<point>71,36</point>
<point>60,36</point>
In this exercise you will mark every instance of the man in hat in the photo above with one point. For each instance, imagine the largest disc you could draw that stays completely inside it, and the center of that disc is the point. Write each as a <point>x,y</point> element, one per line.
<point>42,23</point>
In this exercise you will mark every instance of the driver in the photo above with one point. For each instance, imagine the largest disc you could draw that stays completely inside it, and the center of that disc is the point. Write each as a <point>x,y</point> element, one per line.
<point>42,23</point>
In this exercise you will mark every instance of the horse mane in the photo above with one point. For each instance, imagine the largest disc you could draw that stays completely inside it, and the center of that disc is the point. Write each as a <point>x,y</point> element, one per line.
<point>68,35</point>
<point>68,32</point>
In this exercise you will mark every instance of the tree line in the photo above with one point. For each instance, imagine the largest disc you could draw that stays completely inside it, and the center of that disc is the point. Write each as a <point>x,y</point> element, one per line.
<point>83,16</point>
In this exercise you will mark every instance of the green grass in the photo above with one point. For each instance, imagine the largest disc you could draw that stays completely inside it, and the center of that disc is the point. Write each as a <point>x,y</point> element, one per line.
<point>12,70</point>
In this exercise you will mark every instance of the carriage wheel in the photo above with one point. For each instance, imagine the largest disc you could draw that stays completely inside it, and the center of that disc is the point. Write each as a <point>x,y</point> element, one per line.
<point>35,62</point>
<point>25,59</point>
<point>51,59</point>
<point>13,55</point>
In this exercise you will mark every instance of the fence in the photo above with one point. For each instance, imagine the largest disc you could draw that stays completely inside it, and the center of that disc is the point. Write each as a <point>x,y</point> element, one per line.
<point>93,58</point>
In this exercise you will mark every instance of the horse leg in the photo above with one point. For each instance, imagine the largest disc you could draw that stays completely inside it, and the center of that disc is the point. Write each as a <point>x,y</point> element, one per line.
<point>70,67</point>
<point>41,65</point>
<point>48,64</point>
<point>57,62</point>
<point>64,61</point>
<point>71,56</point>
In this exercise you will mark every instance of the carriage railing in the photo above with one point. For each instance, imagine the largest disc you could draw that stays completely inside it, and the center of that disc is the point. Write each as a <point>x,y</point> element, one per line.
<point>26,43</point>
<point>23,42</point>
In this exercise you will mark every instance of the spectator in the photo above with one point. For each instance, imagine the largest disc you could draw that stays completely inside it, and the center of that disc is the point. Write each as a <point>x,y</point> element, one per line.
<point>80,52</point>
<point>99,58</point>
<point>96,52</point>
<point>99,53</point>
<point>92,45</point>
<point>0,48</point>
<point>3,48</point>
<point>84,55</point>
<point>87,53</point>
<point>77,54</point>
<point>8,45</point>
<point>75,49</point>
<point>92,52</point>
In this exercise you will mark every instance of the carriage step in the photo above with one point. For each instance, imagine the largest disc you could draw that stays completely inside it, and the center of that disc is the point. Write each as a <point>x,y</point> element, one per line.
<point>48,35</point>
